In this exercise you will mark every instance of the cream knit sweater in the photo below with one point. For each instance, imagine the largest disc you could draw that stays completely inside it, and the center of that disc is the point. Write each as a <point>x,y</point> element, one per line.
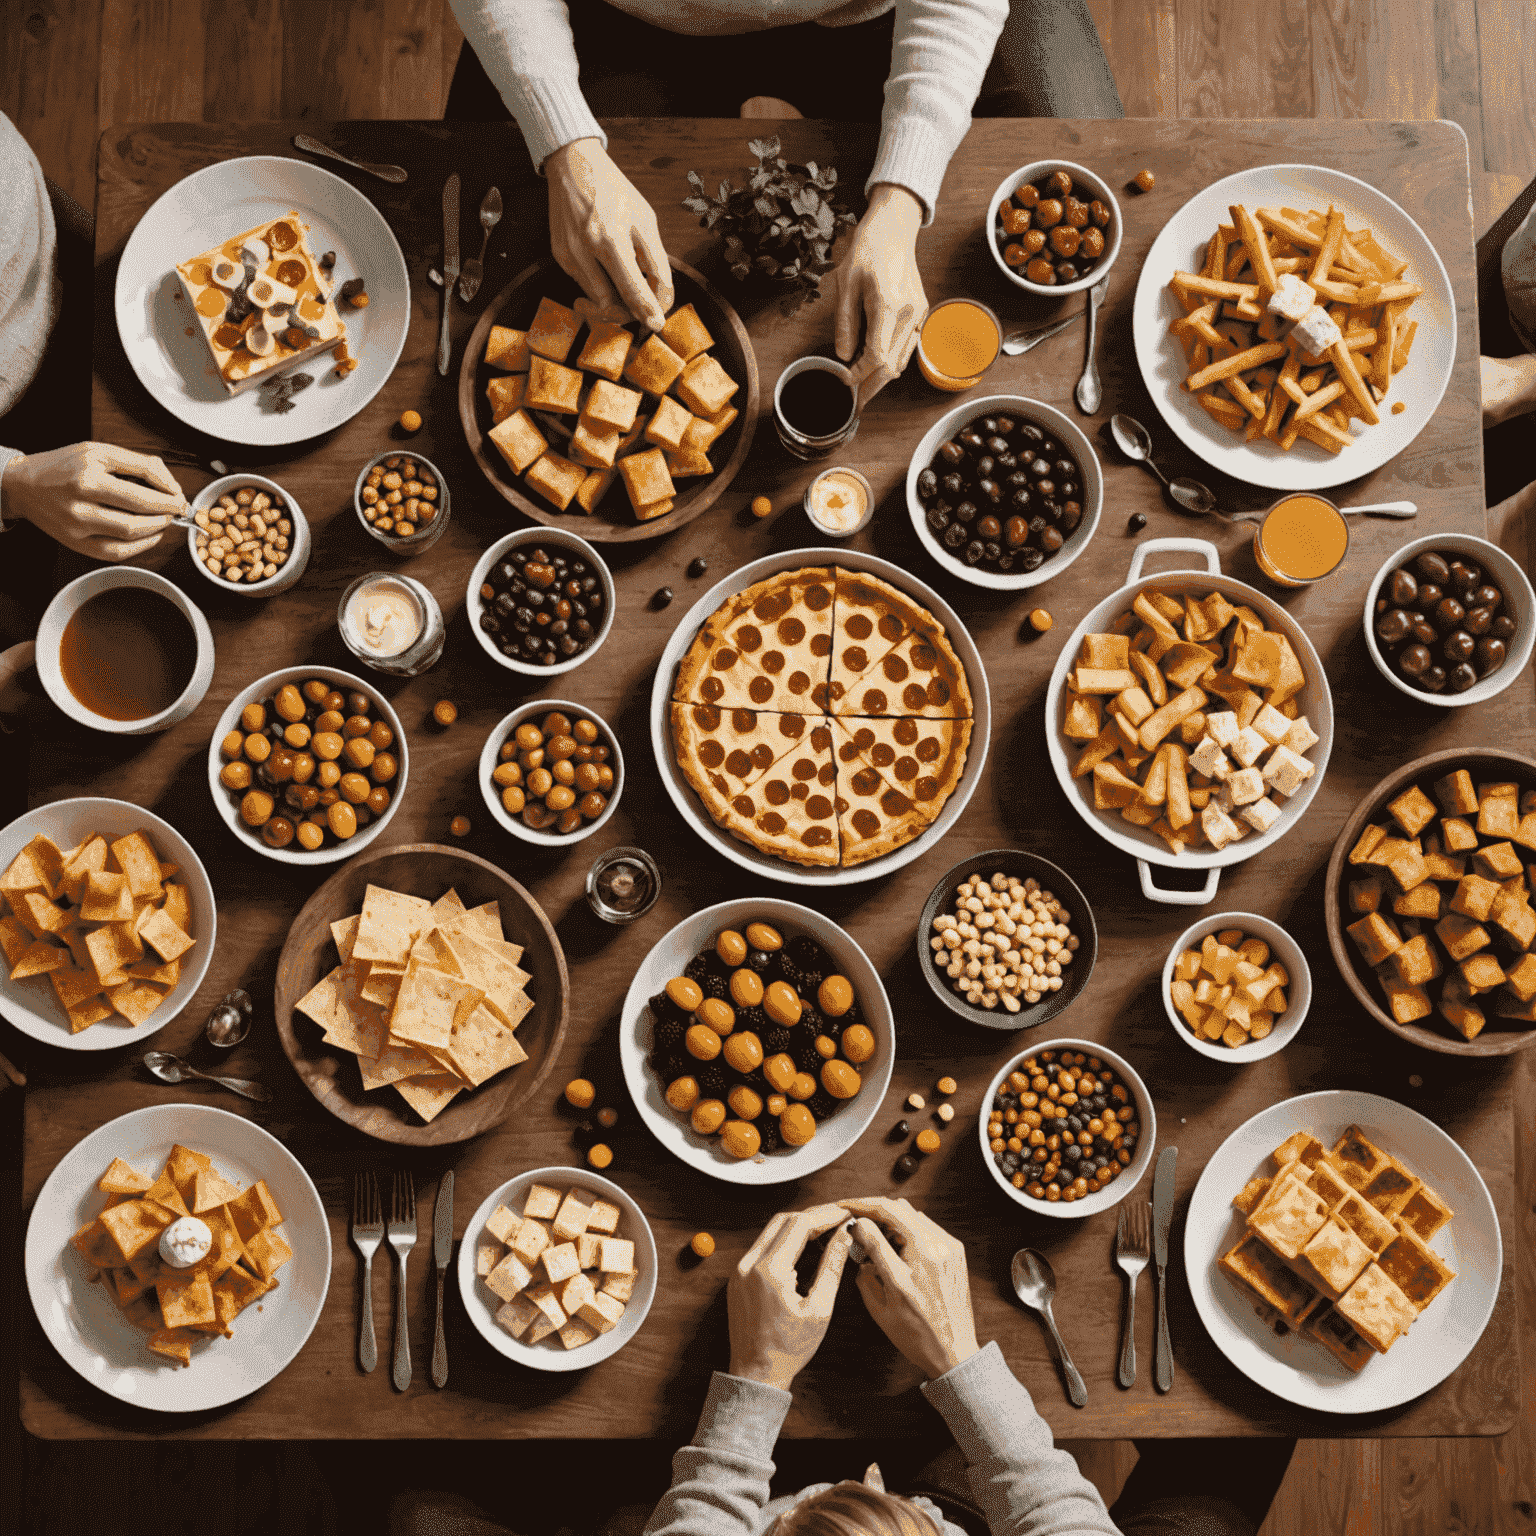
<point>939,53</point>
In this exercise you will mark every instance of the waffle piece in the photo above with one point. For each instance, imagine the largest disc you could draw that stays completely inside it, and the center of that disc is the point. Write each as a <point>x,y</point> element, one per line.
<point>1334,1258</point>
<point>1376,1309</point>
<point>1424,1212</point>
<point>1259,1271</point>
<point>1333,1332</point>
<point>1328,1184</point>
<point>1365,1221</point>
<point>1415,1268</point>
<point>1390,1187</point>
<point>1288,1218</point>
<point>1301,1147</point>
<point>1356,1158</point>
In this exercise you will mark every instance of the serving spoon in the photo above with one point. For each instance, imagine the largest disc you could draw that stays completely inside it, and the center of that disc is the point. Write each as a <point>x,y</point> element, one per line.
<point>172,1069</point>
<point>1034,1282</point>
<point>1135,442</point>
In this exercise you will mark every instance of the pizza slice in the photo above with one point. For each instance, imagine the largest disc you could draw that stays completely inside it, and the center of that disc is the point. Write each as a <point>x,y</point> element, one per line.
<point>724,752</point>
<point>781,628</point>
<point>792,813</point>
<point>871,617</point>
<point>922,757</point>
<point>919,675</point>
<point>874,816</point>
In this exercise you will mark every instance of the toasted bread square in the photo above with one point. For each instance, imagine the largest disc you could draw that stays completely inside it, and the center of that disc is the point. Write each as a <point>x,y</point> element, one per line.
<point>1334,1257</point>
<point>1461,936</point>
<point>603,1218</point>
<point>668,425</point>
<point>1456,794</point>
<point>1356,1157</point>
<point>1258,1271</point>
<point>552,387</point>
<point>553,331</point>
<point>506,395</point>
<point>705,387</point>
<point>1415,1268</point>
<point>1389,1187</point>
<point>606,351</point>
<point>1365,1221</point>
<point>1376,1309</point>
<point>653,366</point>
<point>507,349</point>
<point>611,405</point>
<point>594,442</point>
<point>1336,1336</point>
<point>1288,1219</point>
<point>685,333</point>
<point>1424,1212</point>
<point>646,477</point>
<point>555,478</point>
<point>1413,810</point>
<point>1299,1147</point>
<point>1327,1184</point>
<point>518,441</point>
<point>594,488</point>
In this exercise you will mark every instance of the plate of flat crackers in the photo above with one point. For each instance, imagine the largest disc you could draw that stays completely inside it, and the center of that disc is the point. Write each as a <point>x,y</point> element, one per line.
<point>583,419</point>
<point>1343,1251</point>
<point>422,995</point>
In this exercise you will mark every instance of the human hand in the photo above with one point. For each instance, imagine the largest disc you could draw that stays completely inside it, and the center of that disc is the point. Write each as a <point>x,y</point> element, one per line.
<point>604,233</point>
<point>879,278</point>
<point>921,1297</point>
<point>1508,387</point>
<point>774,1329</point>
<point>75,495</point>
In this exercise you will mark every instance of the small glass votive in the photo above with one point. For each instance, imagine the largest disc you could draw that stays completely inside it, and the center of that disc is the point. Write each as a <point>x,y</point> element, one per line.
<point>392,623</point>
<point>623,884</point>
<point>958,341</point>
<point>815,407</point>
<point>1303,538</point>
<point>839,502</point>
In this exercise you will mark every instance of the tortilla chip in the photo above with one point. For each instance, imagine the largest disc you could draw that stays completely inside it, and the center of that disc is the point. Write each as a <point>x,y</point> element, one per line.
<point>429,1095</point>
<point>391,923</point>
<point>381,988</point>
<point>107,898</point>
<point>92,854</point>
<point>163,936</point>
<point>182,1168</point>
<point>447,907</point>
<point>393,1063</point>
<point>45,916</point>
<point>482,1046</point>
<point>39,958</point>
<point>135,1000</point>
<point>123,1179</point>
<point>211,1189</point>
<point>136,858</point>
<point>24,873</point>
<point>15,940</point>
<point>74,986</point>
<point>163,975</point>
<point>344,935</point>
<point>92,1011</point>
<point>319,1003</point>
<point>134,1225</point>
<point>268,1252</point>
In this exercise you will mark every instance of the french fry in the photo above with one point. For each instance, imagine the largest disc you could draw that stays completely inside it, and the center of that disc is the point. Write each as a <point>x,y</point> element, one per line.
<point>1328,251</point>
<point>1228,412</point>
<point>1257,247</point>
<point>1314,403</point>
<point>1212,287</point>
<point>1239,362</point>
<point>1349,374</point>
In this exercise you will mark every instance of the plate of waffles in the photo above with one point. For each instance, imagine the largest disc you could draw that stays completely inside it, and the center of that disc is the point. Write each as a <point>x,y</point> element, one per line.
<point>821,717</point>
<point>1343,1252</point>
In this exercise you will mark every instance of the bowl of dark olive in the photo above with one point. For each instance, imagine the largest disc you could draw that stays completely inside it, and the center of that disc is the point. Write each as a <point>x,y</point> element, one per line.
<point>1053,228</point>
<point>1450,619</point>
<point>540,601</point>
<point>1005,492</point>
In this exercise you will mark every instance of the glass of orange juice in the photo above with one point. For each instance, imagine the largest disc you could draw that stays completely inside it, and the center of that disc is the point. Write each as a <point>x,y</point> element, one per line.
<point>958,341</point>
<point>1303,538</point>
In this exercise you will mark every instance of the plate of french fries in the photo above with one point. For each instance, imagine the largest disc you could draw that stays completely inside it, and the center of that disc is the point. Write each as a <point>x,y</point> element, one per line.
<point>1294,326</point>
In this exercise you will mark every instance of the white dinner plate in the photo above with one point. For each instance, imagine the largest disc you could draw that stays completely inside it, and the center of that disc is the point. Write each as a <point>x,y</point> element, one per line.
<point>211,205</point>
<point>84,1324</point>
<point>482,1304</point>
<point>1297,1368</point>
<point>1420,385</point>
<point>668,958</point>
<point>31,1004</point>
<point>689,804</point>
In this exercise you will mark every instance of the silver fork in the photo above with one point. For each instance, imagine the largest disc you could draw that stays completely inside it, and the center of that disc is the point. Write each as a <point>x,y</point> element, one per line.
<point>367,1234</point>
<point>474,269</point>
<point>1133,1247</point>
<point>402,1238</point>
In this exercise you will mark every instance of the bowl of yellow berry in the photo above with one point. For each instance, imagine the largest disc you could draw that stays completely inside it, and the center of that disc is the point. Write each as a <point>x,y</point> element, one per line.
<point>757,1041</point>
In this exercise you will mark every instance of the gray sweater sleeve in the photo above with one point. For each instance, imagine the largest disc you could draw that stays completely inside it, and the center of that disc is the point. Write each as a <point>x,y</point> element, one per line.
<point>1024,1485</point>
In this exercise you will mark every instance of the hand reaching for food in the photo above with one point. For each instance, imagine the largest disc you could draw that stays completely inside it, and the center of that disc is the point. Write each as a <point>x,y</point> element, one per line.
<point>604,233</point>
<point>921,1296</point>
<point>774,1329</point>
<point>879,279</point>
<point>78,496</point>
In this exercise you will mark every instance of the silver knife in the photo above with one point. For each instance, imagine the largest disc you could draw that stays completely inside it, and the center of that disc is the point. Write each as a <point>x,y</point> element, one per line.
<point>450,264</point>
<point>442,1249</point>
<point>1162,1219</point>
<point>1089,395</point>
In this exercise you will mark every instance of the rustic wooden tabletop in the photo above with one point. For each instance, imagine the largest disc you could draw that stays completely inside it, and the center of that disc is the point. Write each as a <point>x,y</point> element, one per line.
<point>856,1385</point>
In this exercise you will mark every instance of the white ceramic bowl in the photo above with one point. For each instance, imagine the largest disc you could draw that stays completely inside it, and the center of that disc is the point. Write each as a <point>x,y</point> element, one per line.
<point>1051,420</point>
<point>1082,179</point>
<point>1113,1193</point>
<point>68,601</point>
<point>483,1304</point>
<point>549,538</point>
<point>427,534</point>
<point>1283,948</point>
<point>298,544</point>
<point>667,959</point>
<point>687,801</point>
<point>229,804</point>
<point>490,758</point>
<point>32,1005</point>
<point>1315,701</point>
<point>1519,603</point>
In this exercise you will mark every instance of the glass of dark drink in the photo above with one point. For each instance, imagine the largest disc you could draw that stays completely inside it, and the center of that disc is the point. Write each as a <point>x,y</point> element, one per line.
<point>815,407</point>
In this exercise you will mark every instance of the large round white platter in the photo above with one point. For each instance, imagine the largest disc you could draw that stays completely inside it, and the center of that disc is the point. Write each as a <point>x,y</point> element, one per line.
<point>211,205</point>
<point>1297,1368</point>
<point>1181,247</point>
<point>84,1324</point>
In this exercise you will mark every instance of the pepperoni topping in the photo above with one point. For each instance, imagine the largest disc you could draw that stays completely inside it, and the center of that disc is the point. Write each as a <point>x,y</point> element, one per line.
<point>865,782</point>
<point>882,754</point>
<point>821,645</point>
<point>738,764</point>
<point>863,738</point>
<point>865,822</point>
<point>835,691</point>
<point>743,806</point>
<point>818,808</point>
<point>819,696</point>
<point>894,803</point>
<point>804,768</point>
<point>743,720</point>
<point>906,732</point>
<point>792,726</point>
<point>926,788</point>
<point>924,657</point>
<point>712,688</point>
<point>760,690</point>
<point>821,739</point>
<point>895,669</point>
<point>928,749</point>
<point>891,627</point>
<point>799,791</point>
<point>816,837</point>
<point>857,626</point>
<point>791,631</point>
<point>292,272</point>
<point>938,691</point>
<point>799,682</point>
<point>776,792</point>
<point>762,756</point>
<point>855,659</point>
<point>749,637</point>
<point>772,661</point>
<point>706,717</point>
<point>282,237</point>
<point>906,768</point>
<point>817,597</point>
<point>825,774</point>
<point>771,606</point>
<point>228,337</point>
<point>874,702</point>
<point>723,659</point>
<point>848,752</point>
<point>772,823</point>
<point>711,754</point>
<point>914,696</point>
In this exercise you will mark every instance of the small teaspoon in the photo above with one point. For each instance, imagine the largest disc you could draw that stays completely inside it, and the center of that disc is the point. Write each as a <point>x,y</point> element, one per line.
<point>1034,1282</point>
<point>172,1069</point>
<point>312,146</point>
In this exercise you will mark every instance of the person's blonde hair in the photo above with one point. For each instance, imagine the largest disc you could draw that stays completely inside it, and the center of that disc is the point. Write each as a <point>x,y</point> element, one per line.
<point>853,1509</point>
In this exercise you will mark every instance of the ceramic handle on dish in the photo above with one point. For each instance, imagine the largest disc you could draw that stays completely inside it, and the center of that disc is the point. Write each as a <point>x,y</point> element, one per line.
<point>1207,892</point>
<point>1202,547</point>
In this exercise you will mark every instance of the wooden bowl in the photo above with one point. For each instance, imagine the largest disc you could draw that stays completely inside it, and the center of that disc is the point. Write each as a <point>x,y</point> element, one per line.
<point>1499,1037</point>
<point>427,870</point>
<point>614,521</point>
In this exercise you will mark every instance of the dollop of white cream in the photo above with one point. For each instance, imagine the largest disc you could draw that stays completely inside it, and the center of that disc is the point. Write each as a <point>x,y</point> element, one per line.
<point>185,1241</point>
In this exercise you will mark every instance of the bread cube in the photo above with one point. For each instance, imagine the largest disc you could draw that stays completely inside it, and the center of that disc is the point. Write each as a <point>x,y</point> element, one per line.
<point>1301,738</point>
<point>553,330</point>
<point>575,1293</point>
<point>594,444</point>
<point>685,333</point>
<point>560,1262</point>
<point>1085,718</point>
<point>1218,827</point>
<point>603,1218</point>
<point>646,478</point>
<point>1520,979</point>
<point>620,1287</point>
<point>616,1255</point>
<point>540,1203</point>
<point>507,349</point>
<point>1106,653</point>
<point>611,405</point>
<point>1375,937</point>
<point>555,478</point>
<point>602,1312</point>
<point>669,424</point>
<point>1481,973</point>
<point>1423,900</point>
<point>1461,936</point>
<point>1366,895</point>
<point>552,387</point>
<point>1498,816</point>
<point>509,1277</point>
<point>1271,725</point>
<point>654,509</point>
<point>1370,840</point>
<point>1209,759</point>
<point>1249,747</point>
<point>1473,897</point>
<point>1286,771</point>
<point>654,366</point>
<point>1417,961</point>
<point>544,1298</point>
<point>1456,794</point>
<point>506,395</point>
<point>1245,786</point>
<point>1292,297</point>
<point>1458,834</point>
<point>1443,866</point>
<point>1458,1009</point>
<point>1406,1001</point>
<point>530,1240</point>
<point>606,350</point>
<point>1525,833</point>
<point>1413,810</point>
<point>502,1223</point>
<point>1223,728</point>
<point>516,1314</point>
<point>518,441</point>
<point>571,1219</point>
<point>576,1333</point>
<point>704,386</point>
<point>1498,861</point>
<point>488,1256</point>
<point>540,1328</point>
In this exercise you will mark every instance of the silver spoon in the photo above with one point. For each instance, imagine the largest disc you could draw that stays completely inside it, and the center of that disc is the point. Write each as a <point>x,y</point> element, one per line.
<point>1035,1283</point>
<point>1089,395</point>
<point>474,270</point>
<point>1016,342</point>
<point>230,1022</point>
<point>172,1069</point>
<point>312,146</point>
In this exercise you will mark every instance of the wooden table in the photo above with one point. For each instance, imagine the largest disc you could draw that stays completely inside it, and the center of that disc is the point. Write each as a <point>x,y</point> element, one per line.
<point>856,1386</point>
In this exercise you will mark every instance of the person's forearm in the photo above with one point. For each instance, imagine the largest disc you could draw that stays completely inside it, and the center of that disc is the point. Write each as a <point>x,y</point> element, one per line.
<point>529,54</point>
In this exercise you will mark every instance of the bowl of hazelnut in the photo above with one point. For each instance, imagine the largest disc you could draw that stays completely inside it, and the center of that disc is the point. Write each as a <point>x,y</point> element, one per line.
<point>551,772</point>
<point>402,500</point>
<point>1450,619</point>
<point>249,535</point>
<point>307,765</point>
<point>1053,228</point>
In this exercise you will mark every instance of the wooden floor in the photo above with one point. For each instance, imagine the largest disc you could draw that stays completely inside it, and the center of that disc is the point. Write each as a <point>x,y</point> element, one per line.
<point>70,69</point>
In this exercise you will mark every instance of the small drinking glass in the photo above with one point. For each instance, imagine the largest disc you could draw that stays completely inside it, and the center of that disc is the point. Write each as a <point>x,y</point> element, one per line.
<point>988,342</point>
<point>1303,538</point>
<point>623,884</point>
<point>804,445</point>
<point>423,652</point>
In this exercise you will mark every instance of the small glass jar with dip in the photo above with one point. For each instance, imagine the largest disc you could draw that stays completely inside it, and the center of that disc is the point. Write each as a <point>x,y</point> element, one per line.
<point>839,502</point>
<point>392,623</point>
<point>1303,538</point>
<point>815,407</point>
<point>958,341</point>
<point>623,884</point>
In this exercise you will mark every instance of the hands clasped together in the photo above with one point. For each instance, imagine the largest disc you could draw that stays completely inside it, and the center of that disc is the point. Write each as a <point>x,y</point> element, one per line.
<point>916,1289</point>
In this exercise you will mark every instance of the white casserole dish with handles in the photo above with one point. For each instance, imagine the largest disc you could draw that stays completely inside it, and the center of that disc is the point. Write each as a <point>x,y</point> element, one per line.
<point>1315,701</point>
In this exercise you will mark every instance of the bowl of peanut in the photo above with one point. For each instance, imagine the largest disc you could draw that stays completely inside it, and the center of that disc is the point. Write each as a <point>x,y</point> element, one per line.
<point>248,535</point>
<point>1007,939</point>
<point>402,500</point>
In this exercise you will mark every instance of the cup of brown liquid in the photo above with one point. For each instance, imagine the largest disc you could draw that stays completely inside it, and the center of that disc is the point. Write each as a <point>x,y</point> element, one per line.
<point>125,651</point>
<point>815,407</point>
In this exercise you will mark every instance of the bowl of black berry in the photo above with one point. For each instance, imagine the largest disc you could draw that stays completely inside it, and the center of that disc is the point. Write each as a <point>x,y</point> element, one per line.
<point>1054,228</point>
<point>540,602</point>
<point>1005,492</point>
